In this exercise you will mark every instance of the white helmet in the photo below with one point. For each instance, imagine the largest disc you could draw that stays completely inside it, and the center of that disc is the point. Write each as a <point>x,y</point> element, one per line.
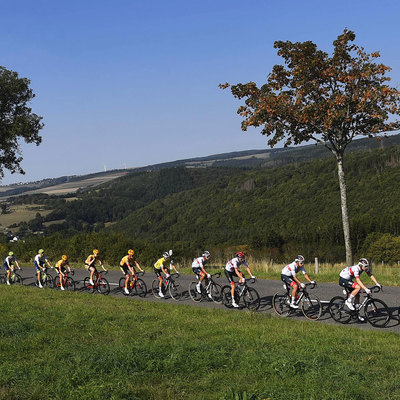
<point>299,258</point>
<point>206,254</point>
<point>363,262</point>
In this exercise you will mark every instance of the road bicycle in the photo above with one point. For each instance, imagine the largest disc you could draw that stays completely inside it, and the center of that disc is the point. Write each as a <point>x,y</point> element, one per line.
<point>135,285</point>
<point>46,279</point>
<point>211,291</point>
<point>67,282</point>
<point>101,284</point>
<point>309,304</point>
<point>15,278</point>
<point>169,285</point>
<point>376,311</point>
<point>245,296</point>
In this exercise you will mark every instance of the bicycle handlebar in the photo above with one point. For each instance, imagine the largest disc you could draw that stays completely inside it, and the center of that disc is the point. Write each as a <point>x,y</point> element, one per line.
<point>312,285</point>
<point>216,275</point>
<point>376,289</point>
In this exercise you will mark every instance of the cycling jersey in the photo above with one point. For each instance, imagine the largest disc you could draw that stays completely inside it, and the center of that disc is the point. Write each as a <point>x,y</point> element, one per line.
<point>90,259</point>
<point>162,263</point>
<point>292,269</point>
<point>199,262</point>
<point>61,264</point>
<point>40,260</point>
<point>235,263</point>
<point>8,262</point>
<point>126,260</point>
<point>351,272</point>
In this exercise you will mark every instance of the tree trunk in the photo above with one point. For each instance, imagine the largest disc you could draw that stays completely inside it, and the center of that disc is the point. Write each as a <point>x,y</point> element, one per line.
<point>345,213</point>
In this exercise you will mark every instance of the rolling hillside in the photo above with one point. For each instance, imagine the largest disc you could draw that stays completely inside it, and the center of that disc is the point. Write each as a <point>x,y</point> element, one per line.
<point>266,158</point>
<point>271,210</point>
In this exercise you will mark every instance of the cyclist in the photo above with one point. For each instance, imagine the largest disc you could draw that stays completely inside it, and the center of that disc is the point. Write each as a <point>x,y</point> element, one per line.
<point>160,266</point>
<point>90,264</point>
<point>232,270</point>
<point>127,266</point>
<point>39,261</point>
<point>346,277</point>
<point>289,276</point>
<point>198,269</point>
<point>8,265</point>
<point>60,268</point>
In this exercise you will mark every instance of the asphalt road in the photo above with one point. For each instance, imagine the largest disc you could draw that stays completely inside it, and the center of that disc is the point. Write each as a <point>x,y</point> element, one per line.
<point>266,289</point>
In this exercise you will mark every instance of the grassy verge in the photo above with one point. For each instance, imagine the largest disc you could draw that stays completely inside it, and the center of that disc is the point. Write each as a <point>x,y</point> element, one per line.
<point>74,346</point>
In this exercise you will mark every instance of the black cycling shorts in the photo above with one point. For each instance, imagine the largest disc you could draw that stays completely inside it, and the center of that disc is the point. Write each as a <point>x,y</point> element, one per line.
<point>230,275</point>
<point>287,279</point>
<point>346,283</point>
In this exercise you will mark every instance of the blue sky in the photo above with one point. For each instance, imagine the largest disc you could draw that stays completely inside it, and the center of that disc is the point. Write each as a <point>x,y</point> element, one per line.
<point>131,83</point>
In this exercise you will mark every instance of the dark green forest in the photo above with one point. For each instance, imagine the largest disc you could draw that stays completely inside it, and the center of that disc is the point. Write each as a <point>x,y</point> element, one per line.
<point>273,212</point>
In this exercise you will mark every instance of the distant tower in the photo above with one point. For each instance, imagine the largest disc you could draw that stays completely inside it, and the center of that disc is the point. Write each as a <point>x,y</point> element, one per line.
<point>105,168</point>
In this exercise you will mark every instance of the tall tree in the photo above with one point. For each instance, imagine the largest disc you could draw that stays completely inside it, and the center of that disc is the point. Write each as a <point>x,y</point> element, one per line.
<point>321,98</point>
<point>16,120</point>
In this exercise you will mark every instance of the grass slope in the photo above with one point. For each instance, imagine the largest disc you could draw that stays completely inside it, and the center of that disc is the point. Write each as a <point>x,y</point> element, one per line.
<point>75,346</point>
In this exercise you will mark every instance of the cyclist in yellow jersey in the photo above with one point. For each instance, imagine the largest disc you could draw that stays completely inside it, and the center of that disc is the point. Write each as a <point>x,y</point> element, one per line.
<point>60,268</point>
<point>127,266</point>
<point>161,266</point>
<point>90,264</point>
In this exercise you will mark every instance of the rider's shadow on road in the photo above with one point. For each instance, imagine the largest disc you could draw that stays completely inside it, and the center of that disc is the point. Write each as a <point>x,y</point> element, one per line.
<point>265,303</point>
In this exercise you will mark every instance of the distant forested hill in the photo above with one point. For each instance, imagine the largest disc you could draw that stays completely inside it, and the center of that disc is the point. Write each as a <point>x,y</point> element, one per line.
<point>273,210</point>
<point>287,207</point>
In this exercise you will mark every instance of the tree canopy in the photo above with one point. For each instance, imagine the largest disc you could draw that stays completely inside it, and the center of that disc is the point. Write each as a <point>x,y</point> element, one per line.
<point>325,99</point>
<point>16,120</point>
<point>316,97</point>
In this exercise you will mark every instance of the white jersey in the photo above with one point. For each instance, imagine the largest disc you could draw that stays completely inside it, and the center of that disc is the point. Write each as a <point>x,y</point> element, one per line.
<point>199,262</point>
<point>291,269</point>
<point>351,272</point>
<point>9,261</point>
<point>235,263</point>
<point>40,260</point>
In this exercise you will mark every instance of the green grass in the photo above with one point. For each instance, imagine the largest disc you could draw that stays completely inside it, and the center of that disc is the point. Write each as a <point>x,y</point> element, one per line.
<point>76,346</point>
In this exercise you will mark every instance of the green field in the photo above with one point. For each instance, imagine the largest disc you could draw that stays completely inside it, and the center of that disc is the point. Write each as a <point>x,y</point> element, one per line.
<point>77,346</point>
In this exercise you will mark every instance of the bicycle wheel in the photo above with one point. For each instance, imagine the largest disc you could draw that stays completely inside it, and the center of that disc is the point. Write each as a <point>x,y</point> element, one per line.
<point>56,282</point>
<point>155,289</point>
<point>226,296</point>
<point>281,304</point>
<point>16,279</point>
<point>121,283</point>
<point>103,286</point>
<point>311,307</point>
<point>338,310</point>
<point>175,290</point>
<point>48,282</point>
<point>69,284</point>
<point>377,313</point>
<point>251,299</point>
<point>193,293</point>
<point>140,288</point>
<point>87,286</point>
<point>216,293</point>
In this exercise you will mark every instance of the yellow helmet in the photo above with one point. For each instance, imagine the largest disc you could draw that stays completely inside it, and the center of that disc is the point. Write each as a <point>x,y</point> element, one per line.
<point>11,253</point>
<point>41,251</point>
<point>64,257</point>
<point>131,252</point>
<point>95,252</point>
